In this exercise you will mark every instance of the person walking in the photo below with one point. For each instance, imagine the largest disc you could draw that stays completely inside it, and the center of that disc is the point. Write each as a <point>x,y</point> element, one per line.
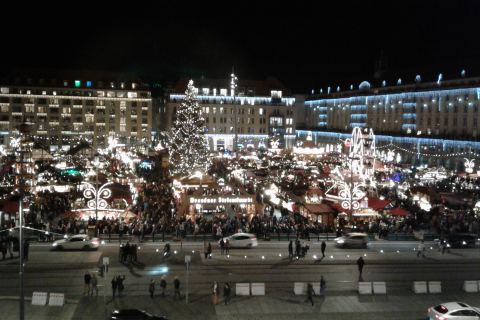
<point>151,288</point>
<point>222,247</point>
<point>176,286</point>
<point>310,293</point>
<point>86,283</point>
<point>421,249</point>
<point>290,250</point>
<point>360,264</point>
<point>323,247</point>
<point>120,285</point>
<point>26,246</point>
<point>298,248</point>
<point>227,246</point>
<point>94,285</point>
<point>226,292</point>
<point>209,251</point>
<point>114,286</point>
<point>163,285</point>
<point>215,292</point>
<point>322,286</point>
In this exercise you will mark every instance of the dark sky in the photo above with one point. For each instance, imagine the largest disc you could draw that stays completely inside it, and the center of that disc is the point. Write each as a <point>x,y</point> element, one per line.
<point>304,44</point>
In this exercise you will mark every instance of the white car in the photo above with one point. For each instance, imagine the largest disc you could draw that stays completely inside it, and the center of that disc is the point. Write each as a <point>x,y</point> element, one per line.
<point>77,242</point>
<point>352,240</point>
<point>453,311</point>
<point>241,240</point>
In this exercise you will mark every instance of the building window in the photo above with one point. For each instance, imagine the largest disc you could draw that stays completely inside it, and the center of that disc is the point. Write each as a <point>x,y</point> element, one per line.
<point>260,111</point>
<point>276,121</point>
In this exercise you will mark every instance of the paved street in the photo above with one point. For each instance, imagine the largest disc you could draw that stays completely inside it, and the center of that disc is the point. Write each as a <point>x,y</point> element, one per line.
<point>397,265</point>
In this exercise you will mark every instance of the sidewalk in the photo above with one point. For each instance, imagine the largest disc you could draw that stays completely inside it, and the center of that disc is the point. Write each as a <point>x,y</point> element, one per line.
<point>280,305</point>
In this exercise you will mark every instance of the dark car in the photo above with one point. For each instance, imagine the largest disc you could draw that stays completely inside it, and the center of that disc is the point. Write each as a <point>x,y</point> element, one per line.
<point>134,314</point>
<point>461,240</point>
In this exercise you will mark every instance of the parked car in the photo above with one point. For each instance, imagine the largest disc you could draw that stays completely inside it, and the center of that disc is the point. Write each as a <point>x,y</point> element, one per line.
<point>352,240</point>
<point>241,240</point>
<point>453,310</point>
<point>134,314</point>
<point>77,242</point>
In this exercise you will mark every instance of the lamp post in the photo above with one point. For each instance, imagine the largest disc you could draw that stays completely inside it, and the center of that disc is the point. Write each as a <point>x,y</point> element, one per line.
<point>233,85</point>
<point>24,129</point>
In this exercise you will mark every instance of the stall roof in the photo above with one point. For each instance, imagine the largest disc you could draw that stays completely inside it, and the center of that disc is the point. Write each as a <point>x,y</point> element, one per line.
<point>377,203</point>
<point>318,208</point>
<point>399,212</point>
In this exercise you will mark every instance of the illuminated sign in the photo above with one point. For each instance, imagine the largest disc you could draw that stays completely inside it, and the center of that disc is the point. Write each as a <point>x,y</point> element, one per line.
<point>221,200</point>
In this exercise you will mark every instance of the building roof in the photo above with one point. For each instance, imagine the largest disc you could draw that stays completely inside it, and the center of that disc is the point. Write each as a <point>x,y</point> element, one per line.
<point>364,90</point>
<point>260,87</point>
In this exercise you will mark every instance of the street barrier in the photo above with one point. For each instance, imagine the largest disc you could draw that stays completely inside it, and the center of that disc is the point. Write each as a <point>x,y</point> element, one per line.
<point>420,286</point>
<point>242,289</point>
<point>39,298</point>
<point>316,287</point>
<point>434,287</point>
<point>300,288</point>
<point>379,288</point>
<point>56,299</point>
<point>365,288</point>
<point>258,289</point>
<point>470,286</point>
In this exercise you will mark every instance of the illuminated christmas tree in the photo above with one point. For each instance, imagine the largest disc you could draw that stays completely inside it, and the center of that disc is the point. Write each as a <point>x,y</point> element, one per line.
<point>188,143</point>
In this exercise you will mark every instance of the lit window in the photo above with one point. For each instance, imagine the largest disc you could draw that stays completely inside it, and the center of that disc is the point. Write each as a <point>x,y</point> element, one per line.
<point>223,92</point>
<point>78,83</point>
<point>89,84</point>
<point>276,93</point>
<point>260,111</point>
<point>205,91</point>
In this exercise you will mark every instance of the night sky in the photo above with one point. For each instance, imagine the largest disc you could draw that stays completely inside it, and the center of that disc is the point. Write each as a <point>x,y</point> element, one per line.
<point>304,45</point>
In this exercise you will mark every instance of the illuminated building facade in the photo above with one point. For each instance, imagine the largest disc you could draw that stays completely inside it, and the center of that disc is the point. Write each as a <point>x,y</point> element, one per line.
<point>427,120</point>
<point>64,111</point>
<point>260,109</point>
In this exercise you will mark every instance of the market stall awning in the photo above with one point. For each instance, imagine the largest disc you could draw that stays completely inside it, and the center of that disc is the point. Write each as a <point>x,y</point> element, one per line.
<point>399,212</point>
<point>318,208</point>
<point>377,203</point>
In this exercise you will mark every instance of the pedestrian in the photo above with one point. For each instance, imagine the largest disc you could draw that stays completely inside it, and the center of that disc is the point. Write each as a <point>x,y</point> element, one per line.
<point>227,246</point>
<point>445,246</point>
<point>290,249</point>
<point>323,247</point>
<point>209,250</point>
<point>215,292</point>
<point>176,286</point>
<point>163,285</point>
<point>114,286</point>
<point>222,247</point>
<point>120,285</point>
<point>421,249</point>
<point>310,293</point>
<point>298,248</point>
<point>322,286</point>
<point>226,292</point>
<point>3,248</point>
<point>26,246</point>
<point>86,281</point>
<point>360,264</point>
<point>93,285</point>
<point>151,288</point>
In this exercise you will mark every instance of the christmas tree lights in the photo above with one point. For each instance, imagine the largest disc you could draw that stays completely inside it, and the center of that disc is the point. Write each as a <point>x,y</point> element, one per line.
<point>188,143</point>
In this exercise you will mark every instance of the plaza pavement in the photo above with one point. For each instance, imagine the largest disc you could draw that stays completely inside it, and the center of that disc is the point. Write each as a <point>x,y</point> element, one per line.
<point>279,305</point>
